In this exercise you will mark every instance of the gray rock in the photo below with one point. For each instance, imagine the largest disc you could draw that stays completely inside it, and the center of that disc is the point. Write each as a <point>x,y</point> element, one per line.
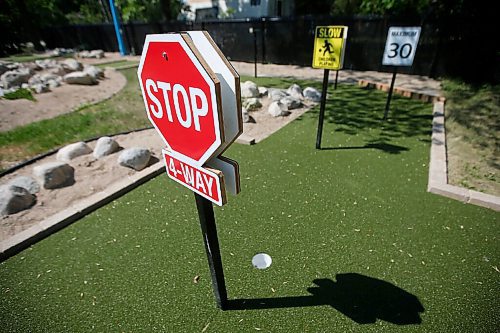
<point>249,89</point>
<point>295,91</point>
<point>31,66</point>
<point>15,78</point>
<point>57,70</point>
<point>46,63</point>
<point>40,88</point>
<point>135,158</point>
<point>46,77</point>
<point>95,72</point>
<point>54,175</point>
<point>35,79</point>
<point>83,54</point>
<point>61,51</point>
<point>14,199</point>
<point>98,54</point>
<point>276,94</point>
<point>80,78</point>
<point>263,91</point>
<point>291,103</point>
<point>53,84</point>
<point>105,146</point>
<point>312,94</point>
<point>28,183</point>
<point>72,151</point>
<point>245,116</point>
<point>252,104</point>
<point>11,66</point>
<point>71,65</point>
<point>277,109</point>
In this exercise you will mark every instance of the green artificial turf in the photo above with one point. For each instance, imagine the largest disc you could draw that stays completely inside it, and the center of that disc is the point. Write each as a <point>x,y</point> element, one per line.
<point>26,57</point>
<point>118,64</point>
<point>358,245</point>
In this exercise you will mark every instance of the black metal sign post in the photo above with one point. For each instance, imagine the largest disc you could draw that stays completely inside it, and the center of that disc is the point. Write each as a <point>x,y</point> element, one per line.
<point>254,31</point>
<point>336,79</point>
<point>322,108</point>
<point>209,232</point>
<point>389,96</point>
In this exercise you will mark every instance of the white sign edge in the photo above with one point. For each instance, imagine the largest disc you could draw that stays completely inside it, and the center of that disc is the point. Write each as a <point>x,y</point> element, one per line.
<point>230,172</point>
<point>231,108</point>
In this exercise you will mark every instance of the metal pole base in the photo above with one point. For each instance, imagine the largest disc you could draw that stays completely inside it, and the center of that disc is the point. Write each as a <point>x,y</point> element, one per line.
<point>389,96</point>
<point>209,232</point>
<point>322,108</point>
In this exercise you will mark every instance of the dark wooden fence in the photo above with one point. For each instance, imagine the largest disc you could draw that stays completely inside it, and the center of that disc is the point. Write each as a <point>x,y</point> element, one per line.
<point>463,48</point>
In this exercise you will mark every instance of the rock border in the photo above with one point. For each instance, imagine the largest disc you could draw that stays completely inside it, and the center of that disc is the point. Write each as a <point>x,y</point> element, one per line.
<point>438,165</point>
<point>62,219</point>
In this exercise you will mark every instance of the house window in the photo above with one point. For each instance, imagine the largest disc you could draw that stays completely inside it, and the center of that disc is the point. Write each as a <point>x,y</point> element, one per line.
<point>254,2</point>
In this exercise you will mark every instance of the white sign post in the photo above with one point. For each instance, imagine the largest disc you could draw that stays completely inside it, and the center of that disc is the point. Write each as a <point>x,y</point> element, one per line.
<point>400,48</point>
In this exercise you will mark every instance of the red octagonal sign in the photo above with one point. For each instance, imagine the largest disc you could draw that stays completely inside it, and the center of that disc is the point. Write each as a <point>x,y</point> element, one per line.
<point>182,97</point>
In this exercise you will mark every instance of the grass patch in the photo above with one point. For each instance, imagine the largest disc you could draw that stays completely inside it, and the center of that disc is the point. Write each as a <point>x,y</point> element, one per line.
<point>352,223</point>
<point>472,127</point>
<point>117,64</point>
<point>31,57</point>
<point>20,93</point>
<point>124,111</point>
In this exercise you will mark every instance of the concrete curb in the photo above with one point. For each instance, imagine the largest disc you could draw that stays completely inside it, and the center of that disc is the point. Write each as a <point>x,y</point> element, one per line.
<point>427,96</point>
<point>438,165</point>
<point>245,140</point>
<point>64,218</point>
<point>438,171</point>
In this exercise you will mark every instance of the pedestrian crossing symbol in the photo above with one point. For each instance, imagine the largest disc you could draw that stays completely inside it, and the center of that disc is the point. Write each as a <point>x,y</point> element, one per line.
<point>329,47</point>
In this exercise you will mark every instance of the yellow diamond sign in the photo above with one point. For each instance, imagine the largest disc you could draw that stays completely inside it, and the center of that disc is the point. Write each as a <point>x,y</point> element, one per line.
<point>329,47</point>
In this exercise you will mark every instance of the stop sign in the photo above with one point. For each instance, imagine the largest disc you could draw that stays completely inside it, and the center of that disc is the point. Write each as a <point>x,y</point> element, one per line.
<point>182,97</point>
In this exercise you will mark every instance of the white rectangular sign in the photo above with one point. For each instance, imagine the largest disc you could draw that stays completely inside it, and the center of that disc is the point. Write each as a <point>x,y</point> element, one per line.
<point>400,46</point>
<point>209,183</point>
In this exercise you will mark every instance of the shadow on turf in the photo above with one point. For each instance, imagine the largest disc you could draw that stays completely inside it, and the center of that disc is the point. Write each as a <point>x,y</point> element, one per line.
<point>353,110</point>
<point>382,146</point>
<point>363,299</point>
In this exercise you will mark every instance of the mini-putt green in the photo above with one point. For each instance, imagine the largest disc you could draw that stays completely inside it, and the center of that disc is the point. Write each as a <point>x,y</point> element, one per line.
<point>357,244</point>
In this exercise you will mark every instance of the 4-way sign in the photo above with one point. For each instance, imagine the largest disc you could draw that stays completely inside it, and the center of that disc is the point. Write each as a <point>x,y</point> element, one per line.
<point>192,97</point>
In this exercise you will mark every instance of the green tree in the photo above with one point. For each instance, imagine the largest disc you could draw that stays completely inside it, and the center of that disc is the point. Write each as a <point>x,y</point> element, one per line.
<point>149,10</point>
<point>436,9</point>
<point>345,7</point>
<point>89,11</point>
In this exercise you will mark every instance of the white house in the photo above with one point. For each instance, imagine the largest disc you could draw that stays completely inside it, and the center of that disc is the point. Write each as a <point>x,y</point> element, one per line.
<point>241,8</point>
